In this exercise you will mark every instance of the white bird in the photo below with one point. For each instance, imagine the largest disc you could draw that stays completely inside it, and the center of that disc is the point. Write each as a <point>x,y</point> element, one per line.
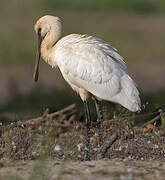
<point>92,67</point>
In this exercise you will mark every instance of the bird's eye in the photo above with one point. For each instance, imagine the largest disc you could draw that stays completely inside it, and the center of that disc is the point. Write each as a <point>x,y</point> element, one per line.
<point>39,30</point>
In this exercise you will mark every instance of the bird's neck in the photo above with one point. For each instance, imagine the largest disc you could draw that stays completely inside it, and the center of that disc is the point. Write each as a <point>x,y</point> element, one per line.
<point>48,45</point>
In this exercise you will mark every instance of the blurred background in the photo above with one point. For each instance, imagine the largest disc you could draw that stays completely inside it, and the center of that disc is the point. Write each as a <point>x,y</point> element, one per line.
<point>135,27</point>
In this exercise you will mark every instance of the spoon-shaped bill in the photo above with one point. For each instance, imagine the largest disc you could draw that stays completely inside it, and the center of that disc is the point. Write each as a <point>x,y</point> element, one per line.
<point>36,69</point>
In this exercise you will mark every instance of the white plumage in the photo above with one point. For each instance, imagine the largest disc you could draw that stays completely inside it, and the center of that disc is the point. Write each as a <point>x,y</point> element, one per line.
<point>91,66</point>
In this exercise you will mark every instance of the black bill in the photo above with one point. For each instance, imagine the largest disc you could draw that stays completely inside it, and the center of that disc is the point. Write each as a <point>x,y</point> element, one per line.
<point>36,70</point>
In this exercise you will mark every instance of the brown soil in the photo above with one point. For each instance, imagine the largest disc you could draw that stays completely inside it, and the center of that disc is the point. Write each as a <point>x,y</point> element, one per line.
<point>127,150</point>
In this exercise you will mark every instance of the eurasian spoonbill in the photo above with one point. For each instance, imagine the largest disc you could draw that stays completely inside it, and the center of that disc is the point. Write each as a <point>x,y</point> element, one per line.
<point>92,67</point>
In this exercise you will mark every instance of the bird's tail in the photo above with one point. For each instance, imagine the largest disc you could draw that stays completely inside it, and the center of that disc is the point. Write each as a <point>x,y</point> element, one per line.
<point>129,95</point>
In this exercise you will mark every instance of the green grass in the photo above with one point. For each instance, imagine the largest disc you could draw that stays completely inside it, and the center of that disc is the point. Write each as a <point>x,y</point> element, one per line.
<point>135,6</point>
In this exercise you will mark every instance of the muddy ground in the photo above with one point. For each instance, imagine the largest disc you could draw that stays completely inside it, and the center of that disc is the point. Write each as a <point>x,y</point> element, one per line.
<point>115,169</point>
<point>52,147</point>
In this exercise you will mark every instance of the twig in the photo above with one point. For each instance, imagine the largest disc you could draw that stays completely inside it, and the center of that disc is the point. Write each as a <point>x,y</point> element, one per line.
<point>136,116</point>
<point>52,115</point>
<point>45,115</point>
<point>152,120</point>
<point>108,144</point>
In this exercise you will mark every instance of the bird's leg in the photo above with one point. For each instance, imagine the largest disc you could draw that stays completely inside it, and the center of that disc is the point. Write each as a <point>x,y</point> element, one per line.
<point>88,124</point>
<point>99,120</point>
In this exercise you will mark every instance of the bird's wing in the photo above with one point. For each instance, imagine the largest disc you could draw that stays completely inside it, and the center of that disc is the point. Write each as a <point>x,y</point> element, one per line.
<point>91,64</point>
<point>84,45</point>
<point>89,58</point>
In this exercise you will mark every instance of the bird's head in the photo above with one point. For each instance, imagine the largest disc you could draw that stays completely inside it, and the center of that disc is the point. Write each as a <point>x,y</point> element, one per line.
<point>43,27</point>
